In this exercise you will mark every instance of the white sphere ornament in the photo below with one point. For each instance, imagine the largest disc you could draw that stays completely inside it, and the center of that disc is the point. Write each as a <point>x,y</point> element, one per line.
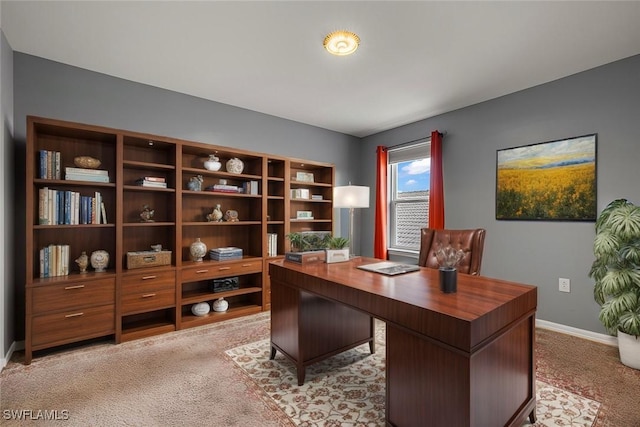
<point>99,260</point>
<point>235,165</point>
<point>220,305</point>
<point>200,309</point>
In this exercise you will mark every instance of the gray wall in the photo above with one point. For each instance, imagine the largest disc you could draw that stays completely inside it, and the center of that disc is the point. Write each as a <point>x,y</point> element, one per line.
<point>6,195</point>
<point>50,89</point>
<point>606,101</point>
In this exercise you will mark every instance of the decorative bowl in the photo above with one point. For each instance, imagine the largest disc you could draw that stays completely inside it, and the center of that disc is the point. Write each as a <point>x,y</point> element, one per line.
<point>86,162</point>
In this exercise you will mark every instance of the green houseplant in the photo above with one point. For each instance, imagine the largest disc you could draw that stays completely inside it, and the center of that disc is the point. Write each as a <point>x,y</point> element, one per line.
<point>616,271</point>
<point>337,249</point>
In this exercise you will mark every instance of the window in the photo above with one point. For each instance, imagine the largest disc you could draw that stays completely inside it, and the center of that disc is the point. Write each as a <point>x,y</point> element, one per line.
<point>409,178</point>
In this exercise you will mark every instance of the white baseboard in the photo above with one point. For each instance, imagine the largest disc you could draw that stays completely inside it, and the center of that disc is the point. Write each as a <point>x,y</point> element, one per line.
<point>580,333</point>
<point>7,357</point>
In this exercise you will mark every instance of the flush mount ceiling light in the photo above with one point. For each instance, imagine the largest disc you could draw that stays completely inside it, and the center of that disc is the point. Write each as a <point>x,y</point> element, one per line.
<point>341,43</point>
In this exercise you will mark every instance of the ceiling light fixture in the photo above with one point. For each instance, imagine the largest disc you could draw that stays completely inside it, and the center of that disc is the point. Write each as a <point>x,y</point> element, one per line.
<point>341,43</point>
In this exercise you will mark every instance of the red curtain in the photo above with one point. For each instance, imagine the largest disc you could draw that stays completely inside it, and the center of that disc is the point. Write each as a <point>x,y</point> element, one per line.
<point>436,188</point>
<point>380,237</point>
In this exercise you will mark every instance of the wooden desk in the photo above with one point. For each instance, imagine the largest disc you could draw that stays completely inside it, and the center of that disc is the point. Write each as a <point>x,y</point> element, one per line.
<point>461,359</point>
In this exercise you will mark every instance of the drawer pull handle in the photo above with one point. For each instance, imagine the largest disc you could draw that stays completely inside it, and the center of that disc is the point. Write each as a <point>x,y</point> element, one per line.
<point>224,268</point>
<point>149,277</point>
<point>73,287</point>
<point>247,265</point>
<point>201,271</point>
<point>148,295</point>
<point>74,315</point>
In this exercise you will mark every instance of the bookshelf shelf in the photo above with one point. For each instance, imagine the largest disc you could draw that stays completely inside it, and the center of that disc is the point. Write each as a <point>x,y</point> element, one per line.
<point>134,303</point>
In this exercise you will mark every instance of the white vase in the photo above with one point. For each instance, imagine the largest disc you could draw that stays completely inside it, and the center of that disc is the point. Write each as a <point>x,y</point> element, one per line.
<point>235,165</point>
<point>198,250</point>
<point>200,309</point>
<point>213,163</point>
<point>629,348</point>
<point>99,260</point>
<point>220,305</point>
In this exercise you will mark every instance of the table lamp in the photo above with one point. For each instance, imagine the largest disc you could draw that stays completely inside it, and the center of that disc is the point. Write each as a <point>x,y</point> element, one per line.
<point>351,196</point>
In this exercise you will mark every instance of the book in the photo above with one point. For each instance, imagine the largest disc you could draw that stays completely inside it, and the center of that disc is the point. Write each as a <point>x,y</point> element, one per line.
<point>86,177</point>
<point>84,171</point>
<point>154,184</point>
<point>305,257</point>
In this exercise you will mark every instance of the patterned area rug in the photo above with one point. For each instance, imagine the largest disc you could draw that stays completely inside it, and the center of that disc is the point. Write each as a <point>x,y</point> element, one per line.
<point>349,389</point>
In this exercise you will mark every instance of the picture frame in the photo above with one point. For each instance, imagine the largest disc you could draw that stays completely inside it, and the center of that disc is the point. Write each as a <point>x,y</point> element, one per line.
<point>304,177</point>
<point>548,181</point>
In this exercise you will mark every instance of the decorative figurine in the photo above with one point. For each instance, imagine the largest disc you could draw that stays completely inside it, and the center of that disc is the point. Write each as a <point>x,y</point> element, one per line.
<point>231,216</point>
<point>215,215</point>
<point>195,183</point>
<point>147,214</point>
<point>83,262</point>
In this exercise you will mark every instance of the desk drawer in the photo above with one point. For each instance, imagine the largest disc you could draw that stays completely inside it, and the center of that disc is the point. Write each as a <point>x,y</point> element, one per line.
<point>77,325</point>
<point>69,296</point>
<point>211,270</point>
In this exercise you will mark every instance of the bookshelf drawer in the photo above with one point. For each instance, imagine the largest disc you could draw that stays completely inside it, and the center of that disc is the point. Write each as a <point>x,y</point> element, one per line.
<point>147,301</point>
<point>148,282</point>
<point>68,326</point>
<point>67,296</point>
<point>212,270</point>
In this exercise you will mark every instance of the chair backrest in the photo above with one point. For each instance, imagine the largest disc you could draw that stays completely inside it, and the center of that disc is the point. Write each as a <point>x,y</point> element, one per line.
<point>470,241</point>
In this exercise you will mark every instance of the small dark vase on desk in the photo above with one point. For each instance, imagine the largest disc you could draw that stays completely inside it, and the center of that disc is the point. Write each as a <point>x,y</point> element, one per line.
<point>448,258</point>
<point>448,280</point>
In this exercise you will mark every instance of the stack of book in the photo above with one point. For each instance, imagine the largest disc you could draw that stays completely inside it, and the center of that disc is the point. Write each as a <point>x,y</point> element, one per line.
<point>49,164</point>
<point>272,244</point>
<point>224,188</point>
<point>54,261</point>
<point>152,181</point>
<point>225,254</point>
<point>81,174</point>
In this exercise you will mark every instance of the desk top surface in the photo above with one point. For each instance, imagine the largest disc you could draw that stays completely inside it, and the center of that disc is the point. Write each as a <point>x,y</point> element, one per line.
<point>481,306</point>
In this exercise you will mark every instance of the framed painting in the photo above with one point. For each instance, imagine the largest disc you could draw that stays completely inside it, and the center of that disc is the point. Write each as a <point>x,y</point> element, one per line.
<point>548,181</point>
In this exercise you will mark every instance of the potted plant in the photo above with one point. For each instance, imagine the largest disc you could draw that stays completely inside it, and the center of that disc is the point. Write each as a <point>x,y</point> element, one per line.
<point>616,271</point>
<point>307,246</point>
<point>337,249</point>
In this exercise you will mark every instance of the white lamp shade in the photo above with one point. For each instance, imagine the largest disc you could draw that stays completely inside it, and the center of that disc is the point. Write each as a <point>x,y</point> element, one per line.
<point>351,196</point>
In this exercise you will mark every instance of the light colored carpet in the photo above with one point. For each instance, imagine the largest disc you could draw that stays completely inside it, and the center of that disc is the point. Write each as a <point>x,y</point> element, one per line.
<point>186,378</point>
<point>349,389</point>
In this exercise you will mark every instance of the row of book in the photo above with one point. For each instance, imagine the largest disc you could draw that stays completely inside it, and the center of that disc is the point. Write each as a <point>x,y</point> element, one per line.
<point>272,244</point>
<point>54,261</point>
<point>82,174</point>
<point>49,165</point>
<point>59,207</point>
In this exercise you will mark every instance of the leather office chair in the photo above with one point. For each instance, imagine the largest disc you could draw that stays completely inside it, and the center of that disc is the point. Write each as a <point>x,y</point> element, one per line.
<point>470,241</point>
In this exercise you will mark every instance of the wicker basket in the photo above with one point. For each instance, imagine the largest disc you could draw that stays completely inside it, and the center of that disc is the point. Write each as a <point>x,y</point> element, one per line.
<point>143,259</point>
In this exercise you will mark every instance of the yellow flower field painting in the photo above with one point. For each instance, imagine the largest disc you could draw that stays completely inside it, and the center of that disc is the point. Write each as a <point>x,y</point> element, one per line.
<point>548,181</point>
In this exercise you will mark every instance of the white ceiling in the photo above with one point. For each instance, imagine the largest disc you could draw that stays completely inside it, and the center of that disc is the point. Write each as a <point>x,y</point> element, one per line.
<point>417,59</point>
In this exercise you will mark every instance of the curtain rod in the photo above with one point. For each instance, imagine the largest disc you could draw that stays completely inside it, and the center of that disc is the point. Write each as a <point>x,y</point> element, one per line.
<point>442,134</point>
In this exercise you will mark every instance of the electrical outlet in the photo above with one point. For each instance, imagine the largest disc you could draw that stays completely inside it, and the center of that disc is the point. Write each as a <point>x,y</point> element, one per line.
<point>564,285</point>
